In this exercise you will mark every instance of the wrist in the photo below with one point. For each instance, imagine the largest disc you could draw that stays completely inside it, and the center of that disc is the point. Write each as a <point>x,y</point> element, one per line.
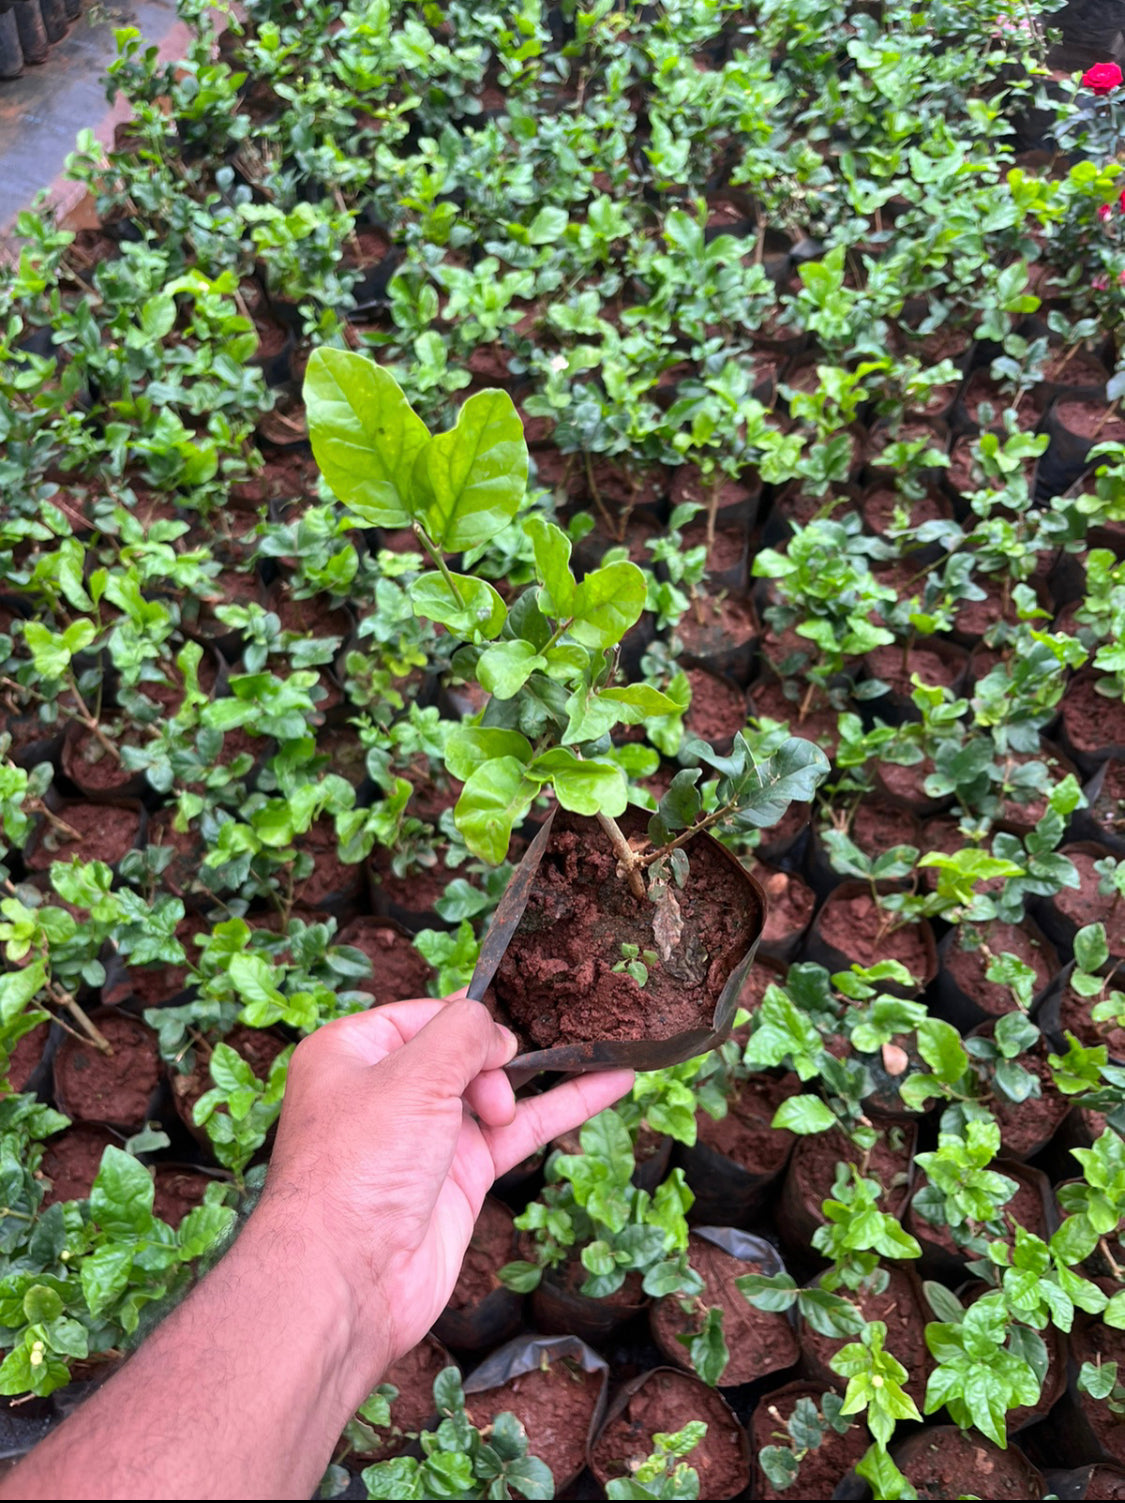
<point>291,1261</point>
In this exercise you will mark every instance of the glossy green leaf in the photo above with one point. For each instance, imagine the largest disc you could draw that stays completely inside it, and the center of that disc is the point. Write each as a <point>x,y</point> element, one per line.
<point>607,603</point>
<point>494,798</point>
<point>584,787</point>
<point>804,1115</point>
<point>122,1194</point>
<point>468,747</point>
<point>506,666</point>
<point>552,567</point>
<point>365,435</point>
<point>469,482</point>
<point>476,611</point>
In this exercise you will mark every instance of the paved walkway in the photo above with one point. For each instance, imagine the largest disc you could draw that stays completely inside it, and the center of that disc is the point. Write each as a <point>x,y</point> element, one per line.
<point>42,112</point>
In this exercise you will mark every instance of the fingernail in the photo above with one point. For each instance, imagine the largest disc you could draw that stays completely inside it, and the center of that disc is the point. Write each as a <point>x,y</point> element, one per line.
<point>510,1039</point>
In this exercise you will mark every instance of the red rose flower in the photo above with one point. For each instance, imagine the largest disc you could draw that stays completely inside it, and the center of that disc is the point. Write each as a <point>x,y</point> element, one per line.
<point>1102,78</point>
<point>1121,201</point>
<point>1104,211</point>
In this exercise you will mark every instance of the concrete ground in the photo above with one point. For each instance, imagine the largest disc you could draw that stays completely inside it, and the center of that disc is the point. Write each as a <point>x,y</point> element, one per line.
<point>42,112</point>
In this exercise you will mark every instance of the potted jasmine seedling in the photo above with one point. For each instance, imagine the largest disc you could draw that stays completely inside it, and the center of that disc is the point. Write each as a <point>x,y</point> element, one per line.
<point>600,881</point>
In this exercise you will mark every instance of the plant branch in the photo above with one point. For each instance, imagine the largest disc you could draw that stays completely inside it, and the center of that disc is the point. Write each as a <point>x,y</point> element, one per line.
<point>625,853</point>
<point>435,553</point>
<point>93,1033</point>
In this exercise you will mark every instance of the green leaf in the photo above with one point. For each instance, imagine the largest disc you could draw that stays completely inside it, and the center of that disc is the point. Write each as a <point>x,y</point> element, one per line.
<point>122,1195</point>
<point>18,988</point>
<point>470,481</point>
<point>494,798</point>
<point>1090,948</point>
<point>804,1115</point>
<point>105,1273</point>
<point>939,1044</point>
<point>505,667</point>
<point>584,787</point>
<point>552,567</point>
<point>475,611</point>
<point>365,435</point>
<point>468,747</point>
<point>607,603</point>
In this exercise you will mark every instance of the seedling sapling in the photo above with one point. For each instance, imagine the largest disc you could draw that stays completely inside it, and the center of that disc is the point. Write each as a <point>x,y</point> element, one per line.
<point>550,661</point>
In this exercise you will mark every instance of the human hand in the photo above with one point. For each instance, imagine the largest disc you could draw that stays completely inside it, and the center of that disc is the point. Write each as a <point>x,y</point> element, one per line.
<point>395,1124</point>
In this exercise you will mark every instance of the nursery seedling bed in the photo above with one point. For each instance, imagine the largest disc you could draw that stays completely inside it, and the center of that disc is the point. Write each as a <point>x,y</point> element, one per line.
<point>791,368</point>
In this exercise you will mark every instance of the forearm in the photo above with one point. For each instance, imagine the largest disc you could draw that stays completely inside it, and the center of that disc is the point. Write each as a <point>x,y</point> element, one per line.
<point>240,1393</point>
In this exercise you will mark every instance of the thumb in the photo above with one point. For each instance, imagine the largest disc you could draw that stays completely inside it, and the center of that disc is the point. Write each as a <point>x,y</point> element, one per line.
<point>455,1046</point>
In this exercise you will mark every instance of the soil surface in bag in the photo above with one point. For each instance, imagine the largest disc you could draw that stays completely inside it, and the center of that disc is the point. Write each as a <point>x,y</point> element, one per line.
<point>106,833</point>
<point>897,1307</point>
<point>113,1087</point>
<point>1092,1341</point>
<point>821,1469</point>
<point>860,929</point>
<point>413,1376</point>
<point>556,980</point>
<point>968,968</point>
<point>665,1404</point>
<point>554,1404</point>
<point>745,1134</point>
<point>1105,1484</point>
<point>492,1245</point>
<point>758,1342</point>
<point>178,1191</point>
<point>398,970</point>
<point>71,1161</point>
<point>962,1466</point>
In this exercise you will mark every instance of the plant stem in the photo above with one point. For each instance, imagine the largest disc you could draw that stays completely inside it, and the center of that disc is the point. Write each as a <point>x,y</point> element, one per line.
<point>625,854</point>
<point>432,549</point>
<point>93,1033</point>
<point>610,525</point>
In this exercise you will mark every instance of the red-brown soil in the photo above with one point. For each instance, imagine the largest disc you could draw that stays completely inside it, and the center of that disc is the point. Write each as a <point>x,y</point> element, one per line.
<point>879,509</point>
<point>1026,1126</point>
<point>116,1088</point>
<point>877,826</point>
<point>107,833</point>
<point>557,981</point>
<point>967,967</point>
<point>744,1134</point>
<point>727,551</point>
<point>906,782</point>
<point>555,1404</point>
<point>1084,904</point>
<point>666,1403</point>
<point>790,904</point>
<point>86,761</point>
<point>957,1464</point>
<point>398,970</point>
<point>718,708</point>
<point>331,878</point>
<point>72,1159</point>
<point>1105,1482</point>
<point>813,1169</point>
<point>898,1307</point>
<point>859,928</point>
<point>1093,722</point>
<point>1074,1017</point>
<point>258,1048</point>
<point>413,1376</point>
<point>1089,420</point>
<point>178,1191</point>
<point>759,1342</point>
<point>491,1246</point>
<point>25,1058</point>
<point>931,667</point>
<point>822,1469</point>
<point>767,700</point>
<point>1109,806</point>
<point>727,622</point>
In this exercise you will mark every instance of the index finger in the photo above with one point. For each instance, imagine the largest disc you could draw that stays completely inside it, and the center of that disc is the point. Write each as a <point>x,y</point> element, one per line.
<point>370,1036</point>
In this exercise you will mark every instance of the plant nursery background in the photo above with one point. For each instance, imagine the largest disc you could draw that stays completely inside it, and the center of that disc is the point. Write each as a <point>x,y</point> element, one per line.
<point>812,310</point>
